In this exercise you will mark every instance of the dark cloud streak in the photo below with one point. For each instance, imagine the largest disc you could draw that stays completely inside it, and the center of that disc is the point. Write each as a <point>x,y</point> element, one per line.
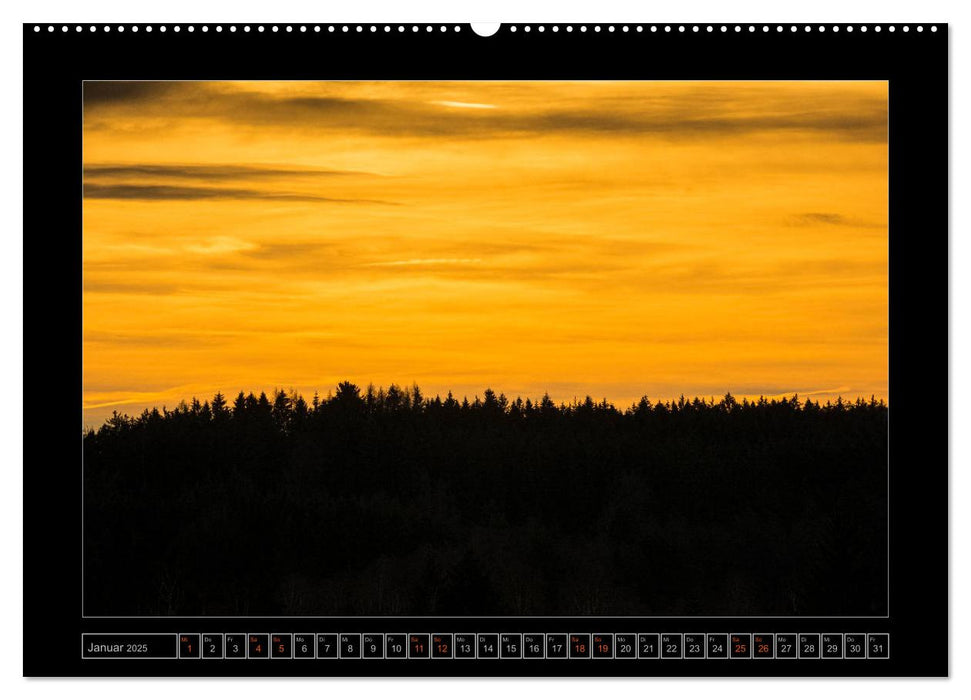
<point>287,251</point>
<point>205,172</point>
<point>182,193</point>
<point>861,119</point>
<point>814,217</point>
<point>826,218</point>
<point>99,93</point>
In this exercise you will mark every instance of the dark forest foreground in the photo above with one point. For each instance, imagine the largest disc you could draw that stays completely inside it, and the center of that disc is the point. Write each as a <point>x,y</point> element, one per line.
<point>388,503</point>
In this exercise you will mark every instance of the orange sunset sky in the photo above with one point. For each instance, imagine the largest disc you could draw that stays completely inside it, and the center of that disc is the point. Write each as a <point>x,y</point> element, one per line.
<point>606,238</point>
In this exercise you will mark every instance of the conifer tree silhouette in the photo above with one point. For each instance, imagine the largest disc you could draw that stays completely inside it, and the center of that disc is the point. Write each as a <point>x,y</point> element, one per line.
<point>488,506</point>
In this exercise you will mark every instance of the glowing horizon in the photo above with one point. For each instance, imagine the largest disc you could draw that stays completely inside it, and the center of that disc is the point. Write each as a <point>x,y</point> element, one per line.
<point>611,239</point>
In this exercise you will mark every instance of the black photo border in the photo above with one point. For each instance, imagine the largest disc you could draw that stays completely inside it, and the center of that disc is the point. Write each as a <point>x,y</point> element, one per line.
<point>913,58</point>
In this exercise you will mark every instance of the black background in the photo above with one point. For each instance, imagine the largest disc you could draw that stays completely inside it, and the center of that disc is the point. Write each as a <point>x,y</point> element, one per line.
<point>914,62</point>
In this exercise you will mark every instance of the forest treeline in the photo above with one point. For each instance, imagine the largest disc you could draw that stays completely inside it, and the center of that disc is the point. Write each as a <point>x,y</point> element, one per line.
<point>389,502</point>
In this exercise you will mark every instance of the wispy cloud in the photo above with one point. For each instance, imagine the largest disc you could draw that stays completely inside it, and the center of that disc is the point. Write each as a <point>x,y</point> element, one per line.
<point>425,262</point>
<point>836,391</point>
<point>463,105</point>
<point>221,245</point>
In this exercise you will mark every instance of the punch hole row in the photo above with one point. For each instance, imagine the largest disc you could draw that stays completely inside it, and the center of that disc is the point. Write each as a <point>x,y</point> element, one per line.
<point>699,28</point>
<point>301,28</point>
<point>415,28</point>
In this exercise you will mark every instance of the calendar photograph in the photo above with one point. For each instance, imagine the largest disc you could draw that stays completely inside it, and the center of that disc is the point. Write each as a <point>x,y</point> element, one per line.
<point>454,348</point>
